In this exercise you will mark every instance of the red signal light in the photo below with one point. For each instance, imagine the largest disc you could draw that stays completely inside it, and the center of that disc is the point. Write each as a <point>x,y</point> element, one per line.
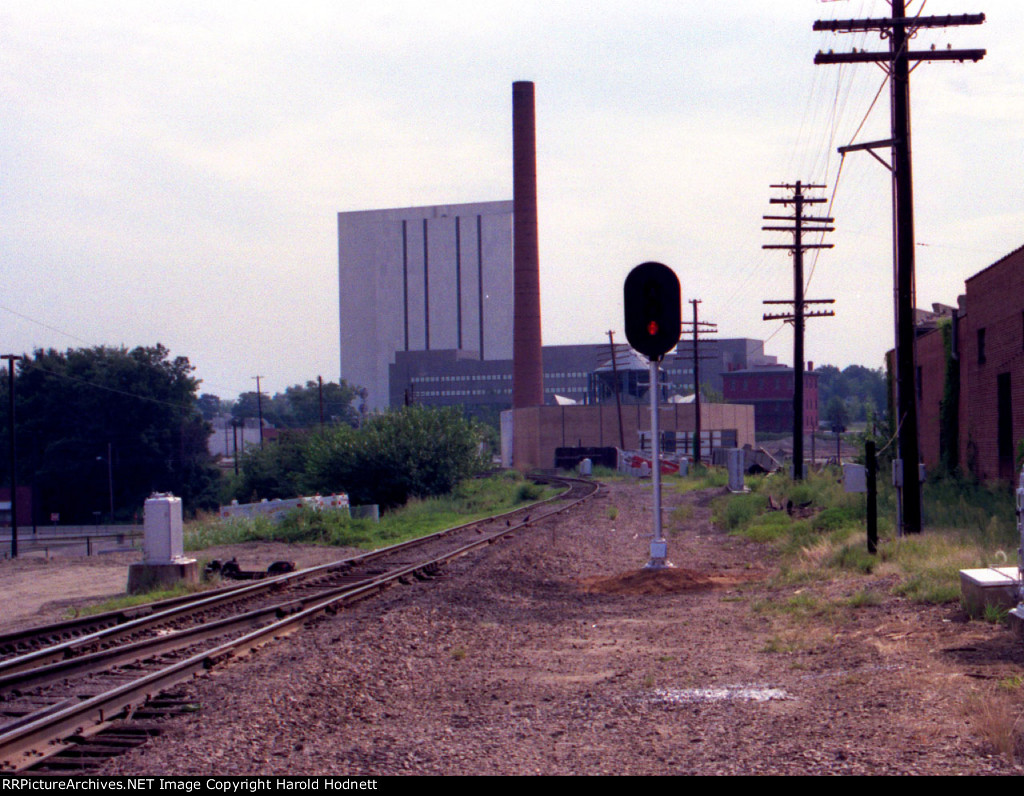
<point>651,300</point>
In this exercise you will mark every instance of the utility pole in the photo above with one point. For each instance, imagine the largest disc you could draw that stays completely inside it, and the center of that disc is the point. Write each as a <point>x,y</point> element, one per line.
<point>11,358</point>
<point>697,328</point>
<point>259,410</point>
<point>615,381</point>
<point>798,221</point>
<point>900,29</point>
<point>320,396</point>
<point>234,436</point>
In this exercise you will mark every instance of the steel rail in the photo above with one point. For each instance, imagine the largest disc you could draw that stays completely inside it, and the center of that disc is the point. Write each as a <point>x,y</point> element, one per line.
<point>106,627</point>
<point>44,733</point>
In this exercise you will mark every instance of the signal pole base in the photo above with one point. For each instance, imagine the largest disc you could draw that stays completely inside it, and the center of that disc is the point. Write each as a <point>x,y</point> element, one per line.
<point>659,556</point>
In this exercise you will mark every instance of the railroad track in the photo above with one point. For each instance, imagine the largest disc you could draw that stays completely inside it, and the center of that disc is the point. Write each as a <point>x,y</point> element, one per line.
<point>62,684</point>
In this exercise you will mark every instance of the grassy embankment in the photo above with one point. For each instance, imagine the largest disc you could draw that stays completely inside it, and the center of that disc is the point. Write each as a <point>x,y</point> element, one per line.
<point>966,526</point>
<point>824,565</point>
<point>472,499</point>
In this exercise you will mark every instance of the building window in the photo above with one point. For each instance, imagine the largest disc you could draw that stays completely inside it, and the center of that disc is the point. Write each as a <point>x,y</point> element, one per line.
<point>981,346</point>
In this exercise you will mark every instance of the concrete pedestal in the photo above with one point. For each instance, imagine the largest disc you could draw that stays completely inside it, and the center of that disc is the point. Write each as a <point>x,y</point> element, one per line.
<point>147,577</point>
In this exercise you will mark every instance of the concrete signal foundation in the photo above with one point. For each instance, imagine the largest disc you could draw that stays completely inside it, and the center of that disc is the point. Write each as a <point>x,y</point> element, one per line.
<point>991,588</point>
<point>165,564</point>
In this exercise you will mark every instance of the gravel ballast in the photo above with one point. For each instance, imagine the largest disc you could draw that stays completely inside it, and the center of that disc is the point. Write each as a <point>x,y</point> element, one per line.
<point>551,653</point>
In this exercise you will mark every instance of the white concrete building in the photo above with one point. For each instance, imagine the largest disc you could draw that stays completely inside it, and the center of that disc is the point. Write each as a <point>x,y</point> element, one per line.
<point>423,279</point>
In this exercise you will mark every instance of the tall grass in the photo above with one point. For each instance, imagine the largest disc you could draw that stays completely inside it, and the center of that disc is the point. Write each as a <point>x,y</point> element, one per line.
<point>702,477</point>
<point>966,526</point>
<point>470,500</point>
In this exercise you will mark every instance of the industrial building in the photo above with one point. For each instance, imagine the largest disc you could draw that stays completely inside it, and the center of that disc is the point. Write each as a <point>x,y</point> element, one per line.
<point>769,389</point>
<point>440,306</point>
<point>970,375</point>
<point>581,374</point>
<point>545,429</point>
<point>431,278</point>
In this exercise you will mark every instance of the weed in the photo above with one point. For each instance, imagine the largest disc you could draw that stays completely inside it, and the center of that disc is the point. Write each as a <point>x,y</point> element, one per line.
<point>996,614</point>
<point>648,681</point>
<point>130,600</point>
<point>777,644</point>
<point>703,477</point>
<point>1014,683</point>
<point>459,653</point>
<point>766,527</point>
<point>997,718</point>
<point>930,586</point>
<point>678,519</point>
<point>854,558</point>
<point>737,511</point>
<point>864,598</point>
<point>612,512</point>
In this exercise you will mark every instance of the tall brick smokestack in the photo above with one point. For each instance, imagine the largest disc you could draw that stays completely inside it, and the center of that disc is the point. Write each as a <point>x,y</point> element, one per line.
<point>527,365</point>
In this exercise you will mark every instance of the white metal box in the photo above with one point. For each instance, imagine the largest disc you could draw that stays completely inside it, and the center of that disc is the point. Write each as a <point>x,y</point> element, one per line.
<point>164,540</point>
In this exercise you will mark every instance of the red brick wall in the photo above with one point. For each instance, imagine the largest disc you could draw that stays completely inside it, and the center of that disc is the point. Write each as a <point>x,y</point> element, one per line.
<point>995,304</point>
<point>771,395</point>
<point>931,361</point>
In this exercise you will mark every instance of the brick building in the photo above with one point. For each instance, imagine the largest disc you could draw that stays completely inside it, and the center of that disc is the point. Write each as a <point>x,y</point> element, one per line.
<point>544,429</point>
<point>991,337</point>
<point>770,391</point>
<point>976,363</point>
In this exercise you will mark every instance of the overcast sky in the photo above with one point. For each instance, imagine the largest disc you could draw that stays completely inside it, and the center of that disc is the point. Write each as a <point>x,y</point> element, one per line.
<point>172,172</point>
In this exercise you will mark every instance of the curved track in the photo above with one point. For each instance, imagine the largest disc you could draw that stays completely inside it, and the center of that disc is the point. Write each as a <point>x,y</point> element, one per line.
<point>72,679</point>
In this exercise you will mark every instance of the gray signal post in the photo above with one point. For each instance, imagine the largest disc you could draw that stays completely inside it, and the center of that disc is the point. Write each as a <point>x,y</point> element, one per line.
<point>653,327</point>
<point>11,359</point>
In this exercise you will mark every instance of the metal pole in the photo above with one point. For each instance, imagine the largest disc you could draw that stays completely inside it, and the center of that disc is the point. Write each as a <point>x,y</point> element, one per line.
<point>872,463</point>
<point>259,409</point>
<point>320,393</point>
<point>696,384</point>
<point>13,454</point>
<point>659,547</point>
<point>110,480</point>
<point>615,383</point>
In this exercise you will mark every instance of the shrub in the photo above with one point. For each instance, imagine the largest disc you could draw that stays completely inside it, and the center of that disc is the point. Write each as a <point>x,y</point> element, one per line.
<point>403,453</point>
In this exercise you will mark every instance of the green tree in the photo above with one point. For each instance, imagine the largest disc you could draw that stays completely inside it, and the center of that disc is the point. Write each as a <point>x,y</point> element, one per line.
<point>836,413</point>
<point>409,452</point>
<point>95,420</point>
<point>304,404</point>
<point>862,389</point>
<point>299,405</point>
<point>278,470</point>
<point>209,406</point>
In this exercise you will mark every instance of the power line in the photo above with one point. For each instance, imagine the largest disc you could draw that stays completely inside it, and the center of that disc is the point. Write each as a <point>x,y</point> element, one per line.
<point>900,29</point>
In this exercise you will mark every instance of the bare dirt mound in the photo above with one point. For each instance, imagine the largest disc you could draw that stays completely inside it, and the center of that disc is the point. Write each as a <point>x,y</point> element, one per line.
<point>665,581</point>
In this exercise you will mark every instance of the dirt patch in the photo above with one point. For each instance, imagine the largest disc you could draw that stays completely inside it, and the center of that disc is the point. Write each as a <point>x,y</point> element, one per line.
<point>39,590</point>
<point>666,581</point>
